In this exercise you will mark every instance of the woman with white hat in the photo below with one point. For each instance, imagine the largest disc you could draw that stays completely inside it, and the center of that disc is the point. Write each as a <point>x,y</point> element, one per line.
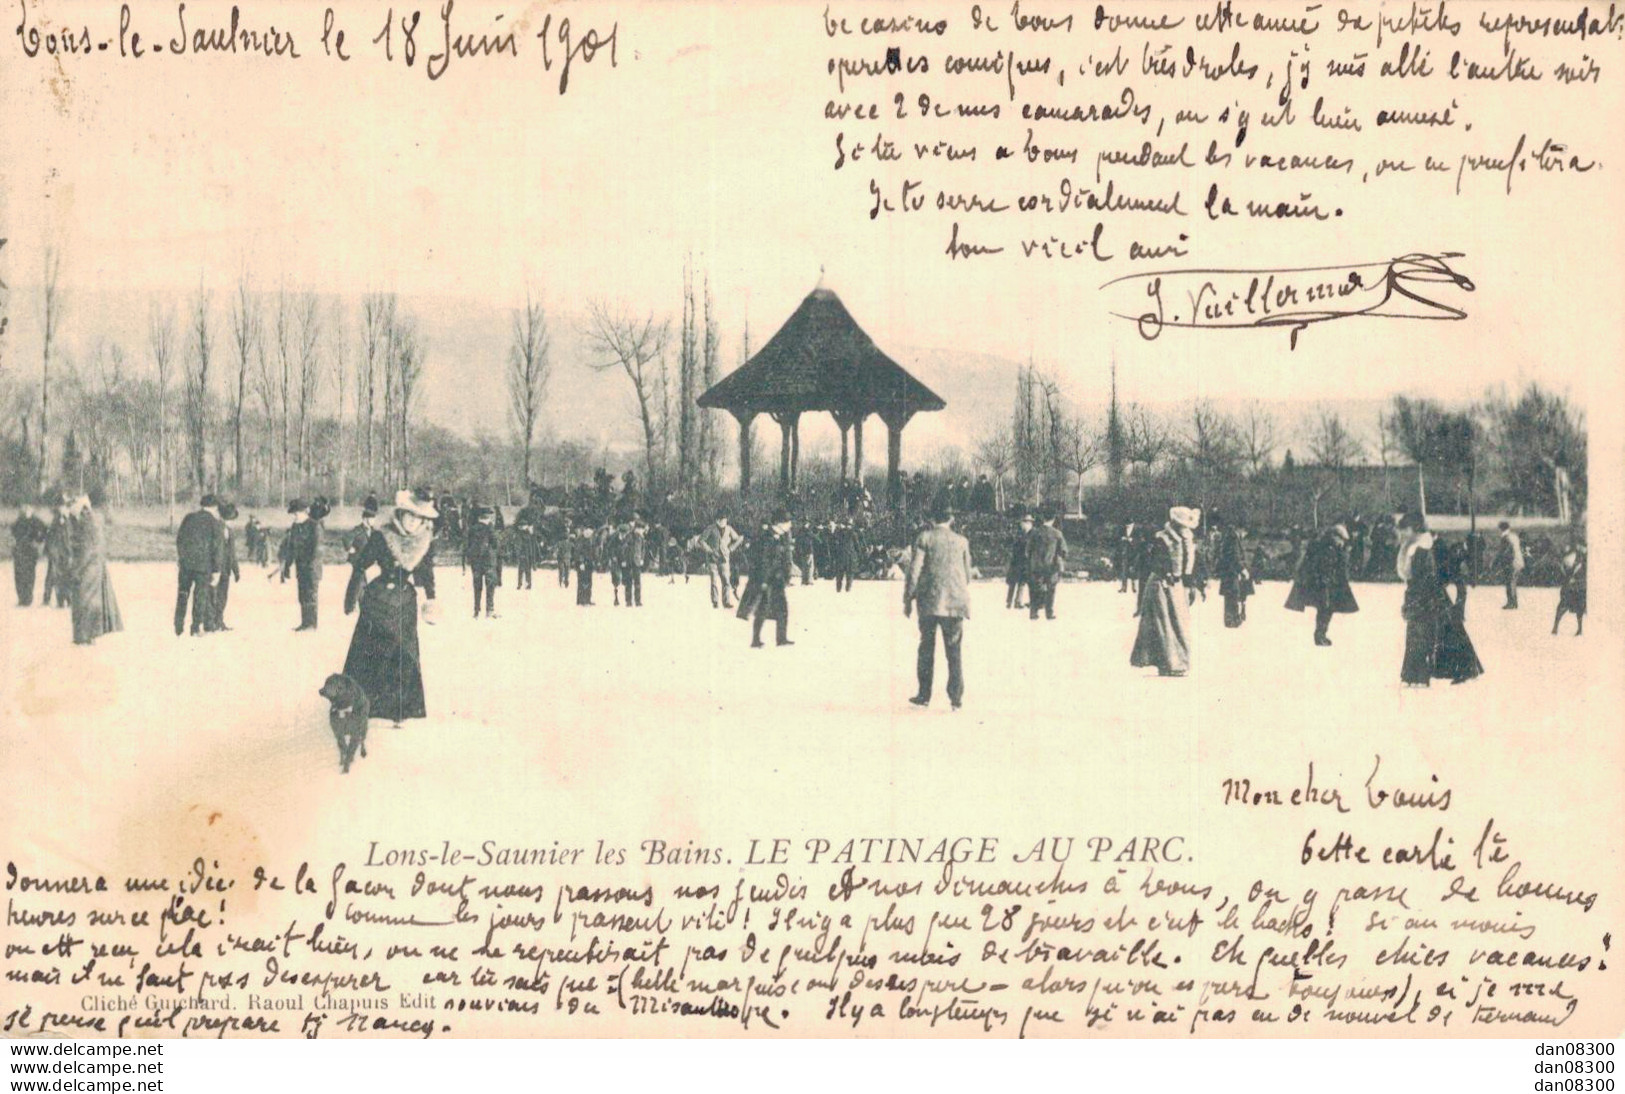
<point>1164,636</point>
<point>383,655</point>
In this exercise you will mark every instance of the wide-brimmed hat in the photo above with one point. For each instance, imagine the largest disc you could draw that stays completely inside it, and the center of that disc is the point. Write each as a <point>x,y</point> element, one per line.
<point>320,508</point>
<point>1184,516</point>
<point>297,505</point>
<point>369,507</point>
<point>208,501</point>
<point>228,511</point>
<point>407,501</point>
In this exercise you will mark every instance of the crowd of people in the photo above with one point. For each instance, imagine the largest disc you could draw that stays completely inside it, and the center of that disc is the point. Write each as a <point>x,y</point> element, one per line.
<point>391,560</point>
<point>74,544</point>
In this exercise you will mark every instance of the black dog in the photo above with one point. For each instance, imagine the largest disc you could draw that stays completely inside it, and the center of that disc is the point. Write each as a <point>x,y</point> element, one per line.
<point>349,715</point>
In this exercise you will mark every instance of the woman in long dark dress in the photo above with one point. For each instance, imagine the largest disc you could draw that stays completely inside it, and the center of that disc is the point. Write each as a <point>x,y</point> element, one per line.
<point>1572,596</point>
<point>1163,639</point>
<point>1436,641</point>
<point>766,596</point>
<point>1321,581</point>
<point>95,608</point>
<point>383,656</point>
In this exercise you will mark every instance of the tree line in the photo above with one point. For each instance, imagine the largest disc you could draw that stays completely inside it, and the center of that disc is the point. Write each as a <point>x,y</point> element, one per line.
<point>273,394</point>
<point>270,395</point>
<point>266,394</point>
<point>1522,453</point>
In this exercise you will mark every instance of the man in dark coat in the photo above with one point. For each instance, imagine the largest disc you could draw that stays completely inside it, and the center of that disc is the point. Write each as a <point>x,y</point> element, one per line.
<point>27,537</point>
<point>771,564</point>
<point>607,553</point>
<point>59,557</point>
<point>1123,559</point>
<point>525,525</point>
<point>586,560</point>
<point>480,557</point>
<point>199,544</point>
<point>355,543</point>
<point>1015,575</point>
<point>1234,569</point>
<point>228,572</point>
<point>302,556</point>
<point>937,584</point>
<point>844,554</point>
<point>254,540</point>
<point>633,548</point>
<point>1322,581</point>
<point>566,554</point>
<point>1509,563</point>
<point>361,533</point>
<point>1046,561</point>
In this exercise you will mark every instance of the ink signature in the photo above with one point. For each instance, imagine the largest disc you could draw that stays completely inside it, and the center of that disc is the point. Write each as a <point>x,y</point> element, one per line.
<point>1295,298</point>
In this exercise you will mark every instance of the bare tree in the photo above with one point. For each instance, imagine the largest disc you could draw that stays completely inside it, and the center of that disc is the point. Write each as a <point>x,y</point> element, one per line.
<point>340,362</point>
<point>281,382</point>
<point>1539,443</point>
<point>161,341</point>
<point>265,387</point>
<point>245,332</point>
<point>392,387</point>
<point>200,348</point>
<point>710,445</point>
<point>634,346</point>
<point>1333,445</point>
<point>108,426</point>
<point>996,455</point>
<point>667,430</point>
<point>309,328</point>
<point>1416,425</point>
<point>409,351</point>
<point>1389,449</point>
<point>1210,444</point>
<point>1037,433</point>
<point>1147,440</point>
<point>750,450</point>
<point>1082,447</point>
<point>377,322</point>
<point>1258,437</point>
<point>53,317</point>
<point>132,417</point>
<point>688,366</point>
<point>529,366</point>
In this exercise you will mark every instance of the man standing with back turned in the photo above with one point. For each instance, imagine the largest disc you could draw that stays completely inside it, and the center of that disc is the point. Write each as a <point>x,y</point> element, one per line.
<point>1046,561</point>
<point>1509,561</point>
<point>199,544</point>
<point>938,585</point>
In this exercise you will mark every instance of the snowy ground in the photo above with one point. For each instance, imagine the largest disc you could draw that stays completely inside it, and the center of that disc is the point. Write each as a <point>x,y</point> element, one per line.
<point>556,719</point>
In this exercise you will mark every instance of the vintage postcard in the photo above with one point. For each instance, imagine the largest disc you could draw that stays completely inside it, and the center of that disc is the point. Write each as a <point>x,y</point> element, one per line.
<point>811,519</point>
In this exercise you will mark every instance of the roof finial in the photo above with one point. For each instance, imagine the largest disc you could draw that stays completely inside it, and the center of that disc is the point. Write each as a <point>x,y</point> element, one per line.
<point>820,276</point>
